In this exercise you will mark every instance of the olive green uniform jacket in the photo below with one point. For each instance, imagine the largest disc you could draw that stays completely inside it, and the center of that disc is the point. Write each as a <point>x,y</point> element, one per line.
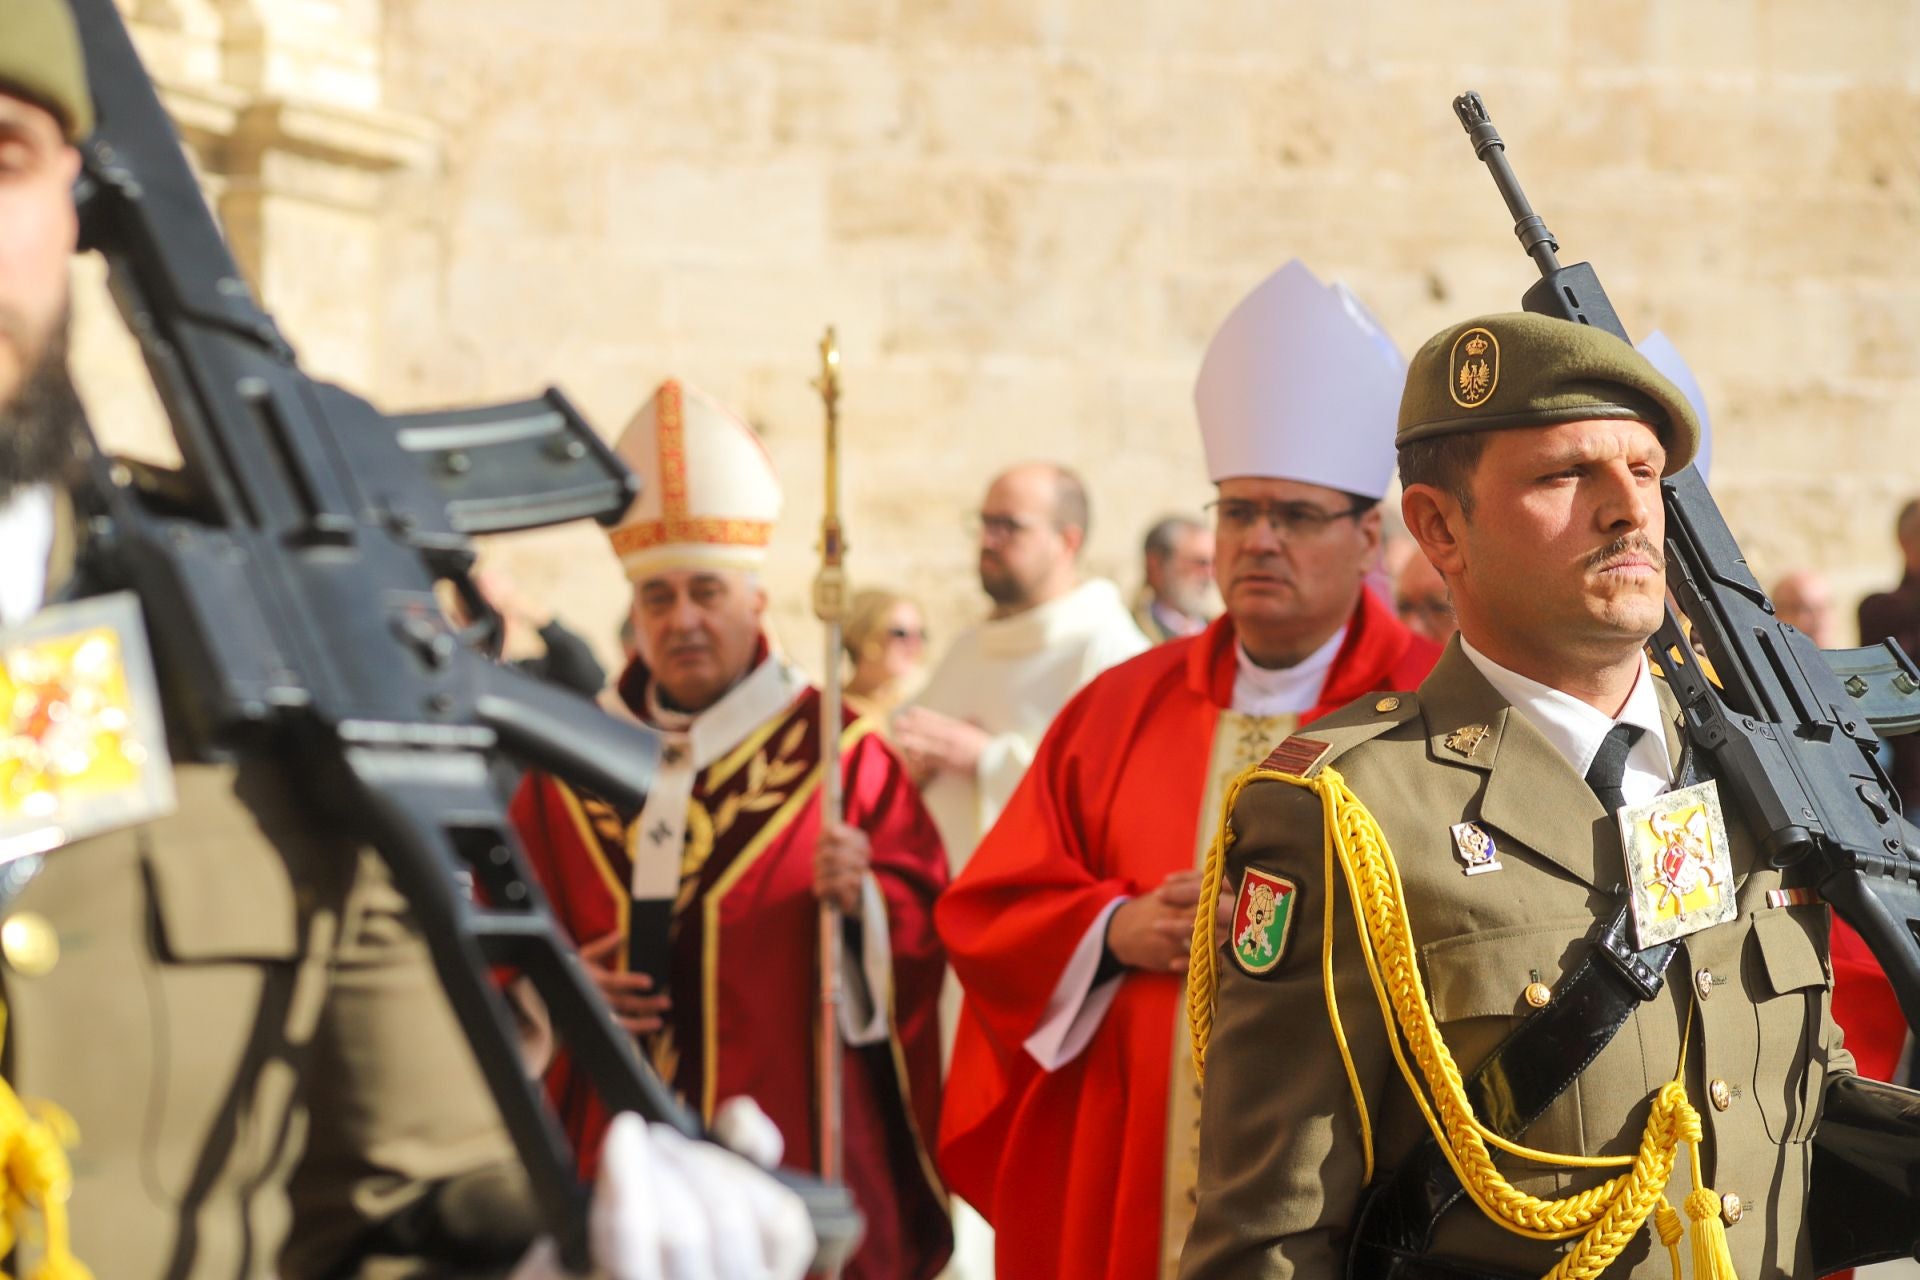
<point>248,1031</point>
<point>1280,1157</point>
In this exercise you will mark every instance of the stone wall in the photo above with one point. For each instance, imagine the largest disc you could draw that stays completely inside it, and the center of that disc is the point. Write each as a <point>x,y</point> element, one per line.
<point>1027,216</point>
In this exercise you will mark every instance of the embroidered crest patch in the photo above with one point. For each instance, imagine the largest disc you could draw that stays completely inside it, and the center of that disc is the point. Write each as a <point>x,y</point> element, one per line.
<point>1262,919</point>
<point>1678,869</point>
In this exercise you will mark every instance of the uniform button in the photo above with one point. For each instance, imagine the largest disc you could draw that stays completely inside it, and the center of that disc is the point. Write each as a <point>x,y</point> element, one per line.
<point>1721,1095</point>
<point>1387,704</point>
<point>1537,994</point>
<point>1731,1209</point>
<point>1703,983</point>
<point>29,942</point>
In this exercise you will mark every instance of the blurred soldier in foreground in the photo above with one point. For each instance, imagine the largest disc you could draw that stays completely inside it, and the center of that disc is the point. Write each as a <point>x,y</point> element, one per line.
<point>731,853</point>
<point>221,1005</point>
<point>1538,769</point>
<point>1177,596</point>
<point>1072,1121</point>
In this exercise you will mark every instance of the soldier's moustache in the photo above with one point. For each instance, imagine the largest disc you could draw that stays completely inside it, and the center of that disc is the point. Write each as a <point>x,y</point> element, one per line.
<point>1625,545</point>
<point>40,426</point>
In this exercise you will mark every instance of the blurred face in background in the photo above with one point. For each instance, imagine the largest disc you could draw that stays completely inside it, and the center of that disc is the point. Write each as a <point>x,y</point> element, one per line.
<point>1024,553</point>
<point>893,653</point>
<point>1183,579</point>
<point>698,631</point>
<point>1805,599</point>
<point>1420,598</point>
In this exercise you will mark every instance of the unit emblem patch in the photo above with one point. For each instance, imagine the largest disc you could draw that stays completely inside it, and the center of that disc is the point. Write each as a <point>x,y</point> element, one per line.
<point>1680,876</point>
<point>1262,919</point>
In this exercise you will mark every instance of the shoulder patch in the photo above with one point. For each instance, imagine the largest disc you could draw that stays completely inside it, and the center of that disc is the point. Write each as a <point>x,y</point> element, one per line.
<point>1298,755</point>
<point>1262,921</point>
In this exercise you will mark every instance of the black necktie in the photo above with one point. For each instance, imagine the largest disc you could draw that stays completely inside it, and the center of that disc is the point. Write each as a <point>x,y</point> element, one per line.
<point>1609,765</point>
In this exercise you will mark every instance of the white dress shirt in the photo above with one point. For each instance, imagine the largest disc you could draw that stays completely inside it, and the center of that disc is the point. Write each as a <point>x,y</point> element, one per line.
<point>26,539</point>
<point>1276,691</point>
<point>1576,729</point>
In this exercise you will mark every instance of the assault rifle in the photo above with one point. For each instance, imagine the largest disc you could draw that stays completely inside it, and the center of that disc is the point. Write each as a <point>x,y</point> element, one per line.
<point>287,574</point>
<point>1791,730</point>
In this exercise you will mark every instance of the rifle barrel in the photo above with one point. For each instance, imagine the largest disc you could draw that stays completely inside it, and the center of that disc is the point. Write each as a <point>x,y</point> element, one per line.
<point>1528,226</point>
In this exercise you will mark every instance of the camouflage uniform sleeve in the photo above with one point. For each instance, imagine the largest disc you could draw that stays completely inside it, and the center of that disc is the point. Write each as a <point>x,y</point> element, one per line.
<point>1281,1164</point>
<point>407,1159</point>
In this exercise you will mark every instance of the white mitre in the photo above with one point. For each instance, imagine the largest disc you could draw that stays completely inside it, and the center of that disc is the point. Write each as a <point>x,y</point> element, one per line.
<point>1301,383</point>
<point>1660,352</point>
<point>709,496</point>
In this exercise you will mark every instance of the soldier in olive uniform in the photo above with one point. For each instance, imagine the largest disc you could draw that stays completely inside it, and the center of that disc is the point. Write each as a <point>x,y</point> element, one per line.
<point>1532,451</point>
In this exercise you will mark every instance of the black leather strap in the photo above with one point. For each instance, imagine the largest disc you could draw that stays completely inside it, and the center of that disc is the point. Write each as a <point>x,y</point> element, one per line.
<point>1516,1084</point>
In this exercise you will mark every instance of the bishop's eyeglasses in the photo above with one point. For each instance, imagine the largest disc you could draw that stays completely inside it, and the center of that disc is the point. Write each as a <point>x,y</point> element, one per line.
<point>1292,521</point>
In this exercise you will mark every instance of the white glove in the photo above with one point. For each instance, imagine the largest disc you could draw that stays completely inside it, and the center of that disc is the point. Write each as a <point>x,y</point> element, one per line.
<point>669,1208</point>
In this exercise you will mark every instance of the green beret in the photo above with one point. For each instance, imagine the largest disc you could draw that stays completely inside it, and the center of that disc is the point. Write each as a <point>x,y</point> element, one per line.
<point>1524,370</point>
<point>40,60</point>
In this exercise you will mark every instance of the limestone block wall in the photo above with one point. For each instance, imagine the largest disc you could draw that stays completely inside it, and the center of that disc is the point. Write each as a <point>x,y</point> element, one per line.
<point>1027,216</point>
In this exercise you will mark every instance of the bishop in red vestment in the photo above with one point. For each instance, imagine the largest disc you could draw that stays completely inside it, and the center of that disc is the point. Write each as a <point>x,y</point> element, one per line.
<point>1071,1115</point>
<point>730,856</point>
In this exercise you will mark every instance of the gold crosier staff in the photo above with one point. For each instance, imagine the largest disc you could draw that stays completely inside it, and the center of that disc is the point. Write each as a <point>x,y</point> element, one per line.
<point>829,602</point>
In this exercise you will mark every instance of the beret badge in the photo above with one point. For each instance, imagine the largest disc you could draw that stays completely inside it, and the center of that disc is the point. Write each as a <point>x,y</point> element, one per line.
<point>1474,370</point>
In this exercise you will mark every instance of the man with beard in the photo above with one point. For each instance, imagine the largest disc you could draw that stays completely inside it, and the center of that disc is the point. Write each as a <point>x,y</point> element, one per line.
<point>1177,595</point>
<point>218,1001</point>
<point>1072,1112</point>
<point>1417,996</point>
<point>971,733</point>
<point>731,854</point>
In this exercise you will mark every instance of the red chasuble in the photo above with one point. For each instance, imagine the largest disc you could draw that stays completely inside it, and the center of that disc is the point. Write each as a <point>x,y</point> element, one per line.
<point>1068,1165</point>
<point>743,967</point>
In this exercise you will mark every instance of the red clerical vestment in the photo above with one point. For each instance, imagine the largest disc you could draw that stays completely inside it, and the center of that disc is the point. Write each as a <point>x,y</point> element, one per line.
<point>743,956</point>
<point>1069,1165</point>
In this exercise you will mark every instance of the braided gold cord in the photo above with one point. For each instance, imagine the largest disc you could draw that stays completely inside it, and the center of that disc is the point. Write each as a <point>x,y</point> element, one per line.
<point>1203,973</point>
<point>1608,1215</point>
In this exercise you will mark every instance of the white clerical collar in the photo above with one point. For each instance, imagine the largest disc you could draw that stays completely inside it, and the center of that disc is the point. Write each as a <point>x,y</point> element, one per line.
<point>1273,691</point>
<point>1575,728</point>
<point>1075,613</point>
<point>765,690</point>
<point>26,531</point>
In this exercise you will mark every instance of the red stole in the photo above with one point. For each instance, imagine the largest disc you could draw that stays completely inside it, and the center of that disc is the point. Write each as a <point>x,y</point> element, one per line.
<point>1069,1165</point>
<point>742,960</point>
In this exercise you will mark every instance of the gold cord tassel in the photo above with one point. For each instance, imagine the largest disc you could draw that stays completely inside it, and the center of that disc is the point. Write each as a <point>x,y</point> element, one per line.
<point>1712,1260</point>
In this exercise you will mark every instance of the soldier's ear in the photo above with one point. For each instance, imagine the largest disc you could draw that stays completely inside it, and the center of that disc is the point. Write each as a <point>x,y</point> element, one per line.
<point>1434,518</point>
